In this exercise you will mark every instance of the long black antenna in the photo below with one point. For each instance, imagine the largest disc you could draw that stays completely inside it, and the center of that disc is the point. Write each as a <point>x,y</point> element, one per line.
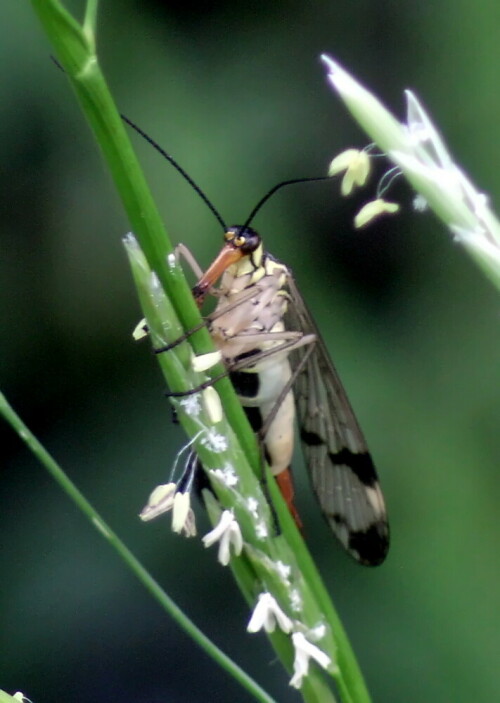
<point>177,167</point>
<point>273,190</point>
<point>198,190</point>
<point>192,183</point>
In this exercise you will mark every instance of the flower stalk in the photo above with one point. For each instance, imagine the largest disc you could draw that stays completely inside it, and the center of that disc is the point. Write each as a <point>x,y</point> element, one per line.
<point>421,155</point>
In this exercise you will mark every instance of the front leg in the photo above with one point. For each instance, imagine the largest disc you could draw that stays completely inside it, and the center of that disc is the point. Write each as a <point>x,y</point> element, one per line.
<point>182,251</point>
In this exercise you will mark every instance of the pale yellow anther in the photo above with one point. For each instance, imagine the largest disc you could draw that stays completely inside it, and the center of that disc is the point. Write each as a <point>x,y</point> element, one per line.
<point>180,511</point>
<point>374,209</point>
<point>189,526</point>
<point>212,404</point>
<point>140,330</point>
<point>160,501</point>
<point>202,362</point>
<point>356,165</point>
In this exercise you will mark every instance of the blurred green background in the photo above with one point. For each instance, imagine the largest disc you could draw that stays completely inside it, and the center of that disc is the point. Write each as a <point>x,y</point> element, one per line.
<point>235,91</point>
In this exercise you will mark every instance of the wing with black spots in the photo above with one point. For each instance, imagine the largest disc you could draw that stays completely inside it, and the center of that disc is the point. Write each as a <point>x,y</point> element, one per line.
<point>340,467</point>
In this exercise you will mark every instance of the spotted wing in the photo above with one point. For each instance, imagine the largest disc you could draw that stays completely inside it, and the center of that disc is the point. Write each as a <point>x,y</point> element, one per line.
<point>342,473</point>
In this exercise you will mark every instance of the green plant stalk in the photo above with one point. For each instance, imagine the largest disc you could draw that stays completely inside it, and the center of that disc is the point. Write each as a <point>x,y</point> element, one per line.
<point>75,50</point>
<point>8,413</point>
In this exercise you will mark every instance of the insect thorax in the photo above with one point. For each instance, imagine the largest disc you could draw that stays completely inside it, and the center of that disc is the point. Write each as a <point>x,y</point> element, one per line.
<point>260,314</point>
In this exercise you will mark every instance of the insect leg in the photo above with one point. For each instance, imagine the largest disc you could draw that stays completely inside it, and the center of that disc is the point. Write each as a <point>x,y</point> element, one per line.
<point>247,361</point>
<point>182,251</point>
<point>247,295</point>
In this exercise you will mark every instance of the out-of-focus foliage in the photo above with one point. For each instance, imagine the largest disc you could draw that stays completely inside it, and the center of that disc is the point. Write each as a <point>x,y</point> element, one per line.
<point>235,91</point>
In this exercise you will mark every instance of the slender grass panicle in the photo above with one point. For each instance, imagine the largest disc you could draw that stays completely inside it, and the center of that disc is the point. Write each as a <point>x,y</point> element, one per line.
<point>421,155</point>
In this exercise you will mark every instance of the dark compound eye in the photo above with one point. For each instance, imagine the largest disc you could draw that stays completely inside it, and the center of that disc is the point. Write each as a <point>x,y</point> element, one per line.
<point>245,239</point>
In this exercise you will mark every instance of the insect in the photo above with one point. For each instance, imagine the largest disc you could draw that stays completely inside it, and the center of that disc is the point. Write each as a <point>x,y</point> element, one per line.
<point>281,369</point>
